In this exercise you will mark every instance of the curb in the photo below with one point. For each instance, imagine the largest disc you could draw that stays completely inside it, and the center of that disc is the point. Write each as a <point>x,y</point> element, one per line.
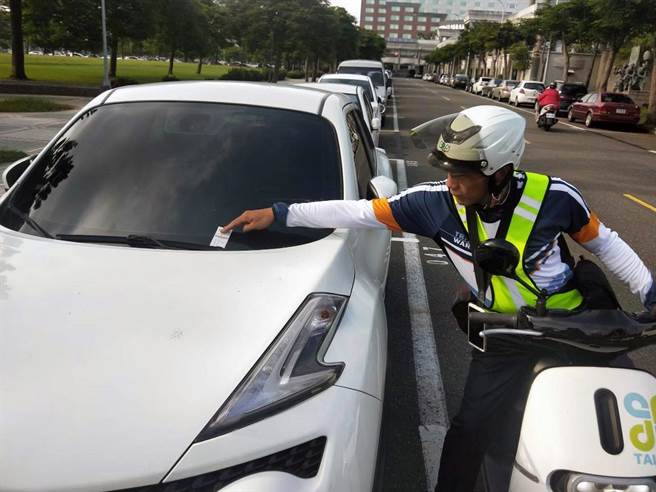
<point>13,87</point>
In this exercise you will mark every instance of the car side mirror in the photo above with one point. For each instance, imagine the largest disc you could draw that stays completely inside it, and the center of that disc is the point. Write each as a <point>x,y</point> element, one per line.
<point>498,257</point>
<point>382,187</point>
<point>375,123</point>
<point>15,171</point>
<point>381,108</point>
<point>380,100</point>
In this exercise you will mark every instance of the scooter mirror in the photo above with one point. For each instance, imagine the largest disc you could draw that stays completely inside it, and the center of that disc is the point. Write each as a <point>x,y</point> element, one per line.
<point>498,257</point>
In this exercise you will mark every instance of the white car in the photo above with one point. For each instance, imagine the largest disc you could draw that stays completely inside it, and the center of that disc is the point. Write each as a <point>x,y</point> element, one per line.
<point>477,88</point>
<point>137,352</point>
<point>371,68</point>
<point>526,92</point>
<point>356,95</point>
<point>363,81</point>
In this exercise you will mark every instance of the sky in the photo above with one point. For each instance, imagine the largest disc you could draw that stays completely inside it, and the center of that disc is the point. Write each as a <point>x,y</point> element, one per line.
<point>353,7</point>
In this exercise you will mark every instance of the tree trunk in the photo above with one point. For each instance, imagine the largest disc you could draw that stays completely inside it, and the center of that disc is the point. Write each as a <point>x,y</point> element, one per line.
<point>113,57</point>
<point>307,68</point>
<point>566,64</point>
<point>609,69</point>
<point>652,89</point>
<point>315,68</point>
<point>200,65</point>
<point>17,52</point>
<point>595,52</point>
<point>171,58</point>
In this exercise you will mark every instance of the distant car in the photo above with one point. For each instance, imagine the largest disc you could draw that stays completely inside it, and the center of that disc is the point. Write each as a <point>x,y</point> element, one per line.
<point>372,68</point>
<point>569,93</point>
<point>605,107</point>
<point>502,91</point>
<point>486,90</point>
<point>363,81</point>
<point>526,92</point>
<point>356,95</point>
<point>459,81</point>
<point>426,76</point>
<point>477,88</point>
<point>443,78</point>
<point>147,386</point>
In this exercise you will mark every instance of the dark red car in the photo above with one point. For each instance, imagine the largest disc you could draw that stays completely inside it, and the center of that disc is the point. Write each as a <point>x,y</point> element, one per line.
<point>606,107</point>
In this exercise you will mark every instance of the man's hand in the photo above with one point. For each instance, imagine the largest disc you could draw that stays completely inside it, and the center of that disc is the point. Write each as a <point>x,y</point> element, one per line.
<point>252,220</point>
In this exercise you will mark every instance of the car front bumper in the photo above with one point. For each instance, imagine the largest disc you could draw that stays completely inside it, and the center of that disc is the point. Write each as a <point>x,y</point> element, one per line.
<point>350,420</point>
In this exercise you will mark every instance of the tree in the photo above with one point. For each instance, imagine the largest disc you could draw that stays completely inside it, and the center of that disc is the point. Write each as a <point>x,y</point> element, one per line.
<point>5,26</point>
<point>520,56</point>
<point>17,50</point>
<point>372,46</point>
<point>347,35</point>
<point>176,27</point>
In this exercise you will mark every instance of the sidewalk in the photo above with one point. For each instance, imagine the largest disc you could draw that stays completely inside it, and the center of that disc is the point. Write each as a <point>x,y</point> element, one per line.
<point>29,132</point>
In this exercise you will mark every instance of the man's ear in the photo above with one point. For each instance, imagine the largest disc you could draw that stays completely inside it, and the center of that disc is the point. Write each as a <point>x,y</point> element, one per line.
<point>501,175</point>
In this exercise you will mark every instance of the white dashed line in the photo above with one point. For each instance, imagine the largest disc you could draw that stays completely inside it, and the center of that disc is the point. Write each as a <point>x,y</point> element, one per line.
<point>653,151</point>
<point>406,239</point>
<point>396,118</point>
<point>446,98</point>
<point>433,417</point>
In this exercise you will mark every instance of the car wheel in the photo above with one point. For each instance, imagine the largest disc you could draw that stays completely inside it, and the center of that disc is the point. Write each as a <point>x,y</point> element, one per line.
<point>588,120</point>
<point>570,115</point>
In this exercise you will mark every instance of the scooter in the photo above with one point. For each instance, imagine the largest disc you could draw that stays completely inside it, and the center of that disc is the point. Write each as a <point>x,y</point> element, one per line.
<point>547,117</point>
<point>585,426</point>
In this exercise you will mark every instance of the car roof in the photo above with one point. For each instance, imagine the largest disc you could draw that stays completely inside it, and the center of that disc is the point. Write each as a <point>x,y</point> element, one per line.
<point>531,82</point>
<point>250,93</point>
<point>352,76</point>
<point>339,88</point>
<point>362,63</point>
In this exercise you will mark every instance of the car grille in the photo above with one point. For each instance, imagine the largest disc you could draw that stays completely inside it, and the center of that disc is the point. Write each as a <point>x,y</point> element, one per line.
<point>302,460</point>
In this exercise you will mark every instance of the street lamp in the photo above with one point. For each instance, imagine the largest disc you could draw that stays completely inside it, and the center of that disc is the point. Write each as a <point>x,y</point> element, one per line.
<point>105,83</point>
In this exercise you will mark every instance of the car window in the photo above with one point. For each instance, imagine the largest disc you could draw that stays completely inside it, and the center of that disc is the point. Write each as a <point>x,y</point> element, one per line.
<point>375,75</point>
<point>592,98</point>
<point>573,90</point>
<point>361,153</point>
<point>534,86</point>
<point>369,112</point>
<point>178,170</point>
<point>616,98</point>
<point>358,83</point>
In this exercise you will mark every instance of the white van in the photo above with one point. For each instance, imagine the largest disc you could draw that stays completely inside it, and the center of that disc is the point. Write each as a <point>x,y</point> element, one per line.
<point>372,68</point>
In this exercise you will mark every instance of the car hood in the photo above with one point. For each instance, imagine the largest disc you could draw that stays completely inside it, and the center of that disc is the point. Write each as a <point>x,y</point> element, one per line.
<point>112,359</point>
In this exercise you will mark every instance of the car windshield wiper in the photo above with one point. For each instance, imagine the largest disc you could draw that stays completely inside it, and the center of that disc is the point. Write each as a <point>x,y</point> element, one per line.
<point>30,222</point>
<point>134,240</point>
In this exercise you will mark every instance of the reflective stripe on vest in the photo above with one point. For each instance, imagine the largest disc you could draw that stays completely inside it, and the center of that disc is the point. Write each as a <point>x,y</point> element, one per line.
<point>508,295</point>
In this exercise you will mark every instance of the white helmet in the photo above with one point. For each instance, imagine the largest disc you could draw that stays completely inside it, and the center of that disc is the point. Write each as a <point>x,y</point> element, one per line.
<point>478,139</point>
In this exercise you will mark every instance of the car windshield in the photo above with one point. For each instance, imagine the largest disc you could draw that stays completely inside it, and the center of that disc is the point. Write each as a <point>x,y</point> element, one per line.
<point>461,77</point>
<point>375,75</point>
<point>573,90</point>
<point>616,98</point>
<point>534,86</point>
<point>485,79</point>
<point>359,83</point>
<point>511,83</point>
<point>175,171</point>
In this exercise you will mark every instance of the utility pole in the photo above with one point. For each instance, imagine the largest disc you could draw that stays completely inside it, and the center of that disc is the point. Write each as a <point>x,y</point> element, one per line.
<point>105,83</point>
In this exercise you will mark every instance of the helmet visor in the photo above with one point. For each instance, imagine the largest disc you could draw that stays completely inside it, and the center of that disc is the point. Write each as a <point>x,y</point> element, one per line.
<point>439,159</point>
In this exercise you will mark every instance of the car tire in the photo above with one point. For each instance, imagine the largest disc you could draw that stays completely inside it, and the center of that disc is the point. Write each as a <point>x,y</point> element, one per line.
<point>588,120</point>
<point>570,115</point>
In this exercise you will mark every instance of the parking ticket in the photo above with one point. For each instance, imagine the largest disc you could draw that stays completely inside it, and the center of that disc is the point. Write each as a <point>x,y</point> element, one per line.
<point>220,238</point>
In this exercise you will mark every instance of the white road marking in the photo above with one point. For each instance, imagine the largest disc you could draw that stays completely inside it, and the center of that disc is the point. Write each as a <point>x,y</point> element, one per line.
<point>433,417</point>
<point>406,239</point>
<point>463,107</point>
<point>653,151</point>
<point>396,118</point>
<point>446,98</point>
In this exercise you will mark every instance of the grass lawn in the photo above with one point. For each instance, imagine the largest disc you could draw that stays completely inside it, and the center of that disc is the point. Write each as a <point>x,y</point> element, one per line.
<point>11,155</point>
<point>89,71</point>
<point>30,104</point>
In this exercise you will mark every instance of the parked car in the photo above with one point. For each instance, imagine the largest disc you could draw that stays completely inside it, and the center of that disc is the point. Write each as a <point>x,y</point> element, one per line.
<point>605,107</point>
<point>165,362</point>
<point>356,95</point>
<point>371,68</point>
<point>363,81</point>
<point>569,93</point>
<point>486,90</point>
<point>459,81</point>
<point>502,91</point>
<point>525,92</point>
<point>478,85</point>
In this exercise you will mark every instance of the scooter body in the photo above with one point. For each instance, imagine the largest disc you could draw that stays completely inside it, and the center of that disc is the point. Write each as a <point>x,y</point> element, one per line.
<point>585,426</point>
<point>547,117</point>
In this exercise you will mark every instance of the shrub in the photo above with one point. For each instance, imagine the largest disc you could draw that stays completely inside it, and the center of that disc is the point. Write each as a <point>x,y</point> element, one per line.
<point>170,78</point>
<point>121,81</point>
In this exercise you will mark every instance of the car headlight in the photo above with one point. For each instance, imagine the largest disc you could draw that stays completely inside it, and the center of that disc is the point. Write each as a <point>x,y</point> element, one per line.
<point>579,482</point>
<point>291,370</point>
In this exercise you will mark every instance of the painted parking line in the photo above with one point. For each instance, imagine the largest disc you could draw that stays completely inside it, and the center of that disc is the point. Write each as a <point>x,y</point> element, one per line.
<point>396,118</point>
<point>640,202</point>
<point>406,239</point>
<point>446,98</point>
<point>653,151</point>
<point>433,417</point>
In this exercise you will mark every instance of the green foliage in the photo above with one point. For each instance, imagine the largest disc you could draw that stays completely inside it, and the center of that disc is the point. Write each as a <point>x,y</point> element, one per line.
<point>11,155</point>
<point>296,74</point>
<point>372,46</point>
<point>30,105</point>
<point>5,30</point>
<point>520,56</point>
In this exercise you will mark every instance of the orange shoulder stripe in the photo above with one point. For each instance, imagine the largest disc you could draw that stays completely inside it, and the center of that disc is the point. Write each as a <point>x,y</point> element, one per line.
<point>589,231</point>
<point>383,213</point>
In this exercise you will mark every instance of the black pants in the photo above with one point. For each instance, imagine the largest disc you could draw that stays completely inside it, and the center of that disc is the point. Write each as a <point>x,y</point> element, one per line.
<point>498,380</point>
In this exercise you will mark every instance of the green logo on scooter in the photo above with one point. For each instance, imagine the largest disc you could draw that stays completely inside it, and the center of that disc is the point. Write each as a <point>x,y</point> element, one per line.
<point>642,434</point>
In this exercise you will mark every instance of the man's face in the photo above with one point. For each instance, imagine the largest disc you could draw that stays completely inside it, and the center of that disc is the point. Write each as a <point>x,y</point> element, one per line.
<point>468,189</point>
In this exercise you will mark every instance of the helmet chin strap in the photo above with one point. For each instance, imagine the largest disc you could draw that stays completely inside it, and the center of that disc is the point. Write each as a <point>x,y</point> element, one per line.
<point>497,192</point>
